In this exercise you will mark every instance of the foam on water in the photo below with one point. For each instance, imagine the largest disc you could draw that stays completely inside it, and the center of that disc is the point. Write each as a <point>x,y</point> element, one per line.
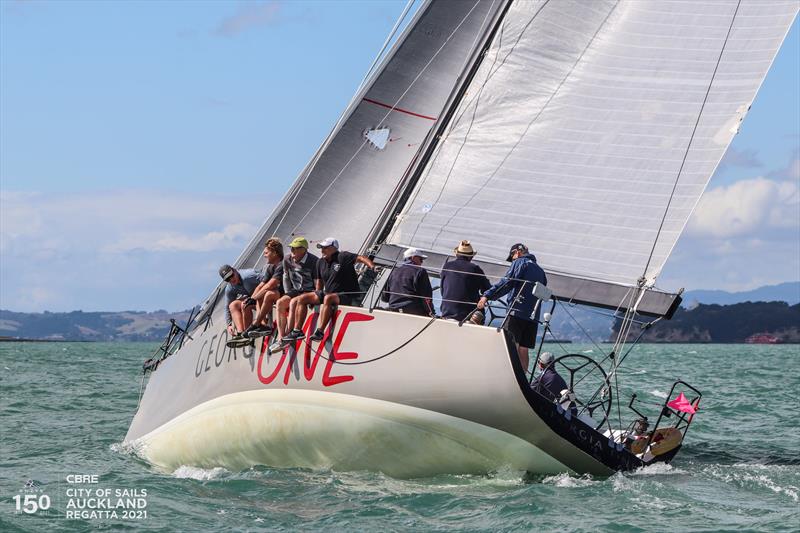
<point>199,474</point>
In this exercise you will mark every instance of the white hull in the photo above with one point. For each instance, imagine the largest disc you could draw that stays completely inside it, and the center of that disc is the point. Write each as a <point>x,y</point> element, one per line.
<point>448,401</point>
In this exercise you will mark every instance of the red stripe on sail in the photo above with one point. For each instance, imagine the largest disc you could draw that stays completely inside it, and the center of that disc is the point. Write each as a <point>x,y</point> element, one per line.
<point>399,110</point>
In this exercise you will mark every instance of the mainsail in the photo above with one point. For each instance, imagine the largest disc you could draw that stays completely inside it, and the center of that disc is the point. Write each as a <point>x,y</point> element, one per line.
<point>590,131</point>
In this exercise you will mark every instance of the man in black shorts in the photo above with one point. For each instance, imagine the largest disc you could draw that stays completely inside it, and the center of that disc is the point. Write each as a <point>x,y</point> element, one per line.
<point>518,283</point>
<point>269,290</point>
<point>337,282</point>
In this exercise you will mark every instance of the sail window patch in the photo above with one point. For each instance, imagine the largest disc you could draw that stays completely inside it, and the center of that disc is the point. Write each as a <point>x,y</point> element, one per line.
<point>378,138</point>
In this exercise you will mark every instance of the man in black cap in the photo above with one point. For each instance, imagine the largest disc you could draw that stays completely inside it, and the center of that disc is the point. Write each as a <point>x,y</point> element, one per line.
<point>238,302</point>
<point>518,283</point>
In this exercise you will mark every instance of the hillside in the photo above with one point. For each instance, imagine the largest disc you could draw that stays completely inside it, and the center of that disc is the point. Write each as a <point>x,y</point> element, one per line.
<point>788,292</point>
<point>94,326</point>
<point>728,323</point>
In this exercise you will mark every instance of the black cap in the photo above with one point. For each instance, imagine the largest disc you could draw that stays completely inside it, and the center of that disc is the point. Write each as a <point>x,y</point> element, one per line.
<point>226,272</point>
<point>519,247</point>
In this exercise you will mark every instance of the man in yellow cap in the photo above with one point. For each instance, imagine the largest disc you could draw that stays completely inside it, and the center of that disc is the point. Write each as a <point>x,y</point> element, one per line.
<point>299,277</point>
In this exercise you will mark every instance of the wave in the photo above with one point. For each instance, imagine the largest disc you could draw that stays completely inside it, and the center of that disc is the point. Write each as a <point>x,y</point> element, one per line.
<point>199,474</point>
<point>746,475</point>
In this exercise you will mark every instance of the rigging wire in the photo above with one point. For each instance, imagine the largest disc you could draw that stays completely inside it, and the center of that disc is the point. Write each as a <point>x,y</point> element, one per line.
<point>691,139</point>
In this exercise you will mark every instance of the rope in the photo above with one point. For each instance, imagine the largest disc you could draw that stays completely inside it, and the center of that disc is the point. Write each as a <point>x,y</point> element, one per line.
<point>691,140</point>
<point>387,354</point>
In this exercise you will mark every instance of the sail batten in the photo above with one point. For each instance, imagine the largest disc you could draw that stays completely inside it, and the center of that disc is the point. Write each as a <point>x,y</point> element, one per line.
<point>596,136</point>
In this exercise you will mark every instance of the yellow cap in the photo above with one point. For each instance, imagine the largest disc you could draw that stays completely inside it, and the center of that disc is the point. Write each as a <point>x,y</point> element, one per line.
<point>299,242</point>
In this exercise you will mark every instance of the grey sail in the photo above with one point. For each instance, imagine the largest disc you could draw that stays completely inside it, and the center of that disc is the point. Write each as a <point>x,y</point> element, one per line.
<point>348,183</point>
<point>590,131</point>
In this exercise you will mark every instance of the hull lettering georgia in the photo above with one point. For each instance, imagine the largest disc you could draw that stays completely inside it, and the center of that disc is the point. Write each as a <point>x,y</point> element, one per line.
<point>309,367</point>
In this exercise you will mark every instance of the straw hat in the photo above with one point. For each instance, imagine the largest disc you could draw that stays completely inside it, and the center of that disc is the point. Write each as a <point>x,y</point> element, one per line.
<point>465,248</point>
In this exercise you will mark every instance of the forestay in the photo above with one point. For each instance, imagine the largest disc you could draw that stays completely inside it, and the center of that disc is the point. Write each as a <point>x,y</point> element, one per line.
<point>591,129</point>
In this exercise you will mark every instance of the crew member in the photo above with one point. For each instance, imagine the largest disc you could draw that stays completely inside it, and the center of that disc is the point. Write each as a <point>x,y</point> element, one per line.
<point>408,289</point>
<point>299,275</point>
<point>269,290</point>
<point>239,304</point>
<point>337,282</point>
<point>549,383</point>
<point>462,283</point>
<point>518,282</point>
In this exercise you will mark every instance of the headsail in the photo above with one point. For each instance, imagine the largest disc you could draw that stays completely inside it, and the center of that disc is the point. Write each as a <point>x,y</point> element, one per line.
<point>591,130</point>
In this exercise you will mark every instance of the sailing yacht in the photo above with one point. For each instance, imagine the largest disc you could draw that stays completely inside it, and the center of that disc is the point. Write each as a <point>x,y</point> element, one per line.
<point>588,131</point>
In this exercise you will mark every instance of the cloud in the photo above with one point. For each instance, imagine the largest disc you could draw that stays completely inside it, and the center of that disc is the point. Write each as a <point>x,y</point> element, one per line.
<point>248,16</point>
<point>230,236</point>
<point>746,207</point>
<point>119,249</point>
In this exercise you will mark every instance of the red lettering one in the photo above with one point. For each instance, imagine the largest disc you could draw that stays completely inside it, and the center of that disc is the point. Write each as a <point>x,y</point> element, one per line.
<point>327,379</point>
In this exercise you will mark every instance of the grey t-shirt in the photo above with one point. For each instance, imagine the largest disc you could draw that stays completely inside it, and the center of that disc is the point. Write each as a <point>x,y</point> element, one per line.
<point>250,280</point>
<point>298,277</point>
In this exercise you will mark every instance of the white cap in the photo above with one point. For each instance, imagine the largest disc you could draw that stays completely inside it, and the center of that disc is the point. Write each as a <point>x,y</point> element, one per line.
<point>413,252</point>
<point>329,241</point>
<point>546,358</point>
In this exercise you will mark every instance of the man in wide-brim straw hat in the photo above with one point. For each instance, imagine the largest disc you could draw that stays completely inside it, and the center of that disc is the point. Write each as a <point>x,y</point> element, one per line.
<point>462,282</point>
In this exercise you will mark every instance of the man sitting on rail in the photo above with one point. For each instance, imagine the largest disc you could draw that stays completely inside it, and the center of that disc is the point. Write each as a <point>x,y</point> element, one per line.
<point>299,275</point>
<point>239,304</point>
<point>337,282</point>
<point>518,282</point>
<point>408,289</point>
<point>269,290</point>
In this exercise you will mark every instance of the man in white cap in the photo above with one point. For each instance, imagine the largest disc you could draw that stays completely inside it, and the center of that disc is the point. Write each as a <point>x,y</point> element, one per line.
<point>408,289</point>
<point>549,383</point>
<point>337,281</point>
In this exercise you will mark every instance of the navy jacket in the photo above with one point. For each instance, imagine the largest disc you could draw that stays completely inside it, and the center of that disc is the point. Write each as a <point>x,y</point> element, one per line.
<point>549,383</point>
<point>407,287</point>
<point>463,281</point>
<point>523,268</point>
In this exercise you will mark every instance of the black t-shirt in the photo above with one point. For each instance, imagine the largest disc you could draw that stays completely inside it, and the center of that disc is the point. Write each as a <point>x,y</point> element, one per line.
<point>273,272</point>
<point>338,273</point>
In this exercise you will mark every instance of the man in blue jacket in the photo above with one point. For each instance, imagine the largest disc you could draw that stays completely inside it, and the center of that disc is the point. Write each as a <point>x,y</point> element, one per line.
<point>518,283</point>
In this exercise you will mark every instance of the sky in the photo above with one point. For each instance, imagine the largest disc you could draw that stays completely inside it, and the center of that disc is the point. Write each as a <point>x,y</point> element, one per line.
<point>143,143</point>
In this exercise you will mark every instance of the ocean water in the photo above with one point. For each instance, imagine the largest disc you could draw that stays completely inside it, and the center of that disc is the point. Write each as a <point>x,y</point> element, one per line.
<point>66,408</point>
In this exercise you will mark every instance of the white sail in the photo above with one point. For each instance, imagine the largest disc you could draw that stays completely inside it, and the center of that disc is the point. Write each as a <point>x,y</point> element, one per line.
<point>592,129</point>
